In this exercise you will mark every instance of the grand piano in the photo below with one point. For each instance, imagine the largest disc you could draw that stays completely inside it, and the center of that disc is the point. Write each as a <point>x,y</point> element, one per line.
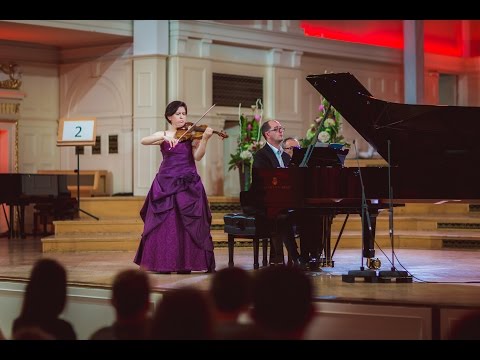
<point>432,152</point>
<point>20,190</point>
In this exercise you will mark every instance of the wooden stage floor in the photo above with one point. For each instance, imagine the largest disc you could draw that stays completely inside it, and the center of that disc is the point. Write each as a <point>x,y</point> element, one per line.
<point>443,277</point>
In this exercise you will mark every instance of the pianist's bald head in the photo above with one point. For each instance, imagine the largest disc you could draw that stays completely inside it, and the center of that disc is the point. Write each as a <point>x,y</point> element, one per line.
<point>272,125</point>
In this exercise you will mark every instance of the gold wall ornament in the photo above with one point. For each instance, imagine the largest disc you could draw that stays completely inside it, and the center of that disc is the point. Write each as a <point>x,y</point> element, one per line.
<point>14,75</point>
<point>9,108</point>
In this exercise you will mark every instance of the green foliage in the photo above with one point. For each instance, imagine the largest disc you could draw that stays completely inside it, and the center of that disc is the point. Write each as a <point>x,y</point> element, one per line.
<point>249,139</point>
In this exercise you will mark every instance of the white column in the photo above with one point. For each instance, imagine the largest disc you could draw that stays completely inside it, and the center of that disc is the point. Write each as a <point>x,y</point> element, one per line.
<point>413,61</point>
<point>150,51</point>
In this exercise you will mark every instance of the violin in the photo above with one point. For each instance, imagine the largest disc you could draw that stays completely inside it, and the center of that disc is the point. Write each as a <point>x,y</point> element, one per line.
<point>195,132</point>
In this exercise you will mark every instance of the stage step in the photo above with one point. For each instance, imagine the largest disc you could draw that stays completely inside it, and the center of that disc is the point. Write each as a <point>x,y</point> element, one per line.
<point>412,239</point>
<point>119,207</point>
<point>82,226</point>
<point>422,222</point>
<point>110,225</point>
<point>91,242</point>
<point>423,226</point>
<point>125,207</point>
<point>128,241</point>
<point>106,241</point>
<point>129,207</point>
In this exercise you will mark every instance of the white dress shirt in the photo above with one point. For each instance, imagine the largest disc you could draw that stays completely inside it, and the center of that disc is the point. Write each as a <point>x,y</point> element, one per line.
<point>278,154</point>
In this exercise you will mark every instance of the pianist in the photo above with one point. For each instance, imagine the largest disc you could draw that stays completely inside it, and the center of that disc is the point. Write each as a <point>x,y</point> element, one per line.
<point>272,156</point>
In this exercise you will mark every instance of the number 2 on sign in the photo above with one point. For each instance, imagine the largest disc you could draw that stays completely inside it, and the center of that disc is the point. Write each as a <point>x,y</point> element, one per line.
<point>77,130</point>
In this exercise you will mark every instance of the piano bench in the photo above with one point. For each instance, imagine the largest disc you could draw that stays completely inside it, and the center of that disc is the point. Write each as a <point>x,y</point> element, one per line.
<point>239,225</point>
<point>44,213</point>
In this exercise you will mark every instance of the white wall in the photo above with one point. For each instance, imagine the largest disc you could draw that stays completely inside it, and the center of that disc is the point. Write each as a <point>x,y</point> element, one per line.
<point>95,82</point>
<point>37,130</point>
<point>99,82</point>
<point>337,321</point>
<point>100,87</point>
<point>288,97</point>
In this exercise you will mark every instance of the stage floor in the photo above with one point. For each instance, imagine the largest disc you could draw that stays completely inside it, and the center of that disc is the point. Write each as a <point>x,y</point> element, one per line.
<point>441,277</point>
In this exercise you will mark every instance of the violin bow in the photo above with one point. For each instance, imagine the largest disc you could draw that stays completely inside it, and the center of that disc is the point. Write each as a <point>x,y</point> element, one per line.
<point>196,122</point>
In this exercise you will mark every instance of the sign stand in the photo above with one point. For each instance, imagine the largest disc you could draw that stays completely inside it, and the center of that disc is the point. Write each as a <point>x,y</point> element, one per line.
<point>77,132</point>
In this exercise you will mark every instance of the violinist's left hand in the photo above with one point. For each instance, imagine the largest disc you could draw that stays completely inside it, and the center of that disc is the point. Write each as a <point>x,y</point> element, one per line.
<point>207,134</point>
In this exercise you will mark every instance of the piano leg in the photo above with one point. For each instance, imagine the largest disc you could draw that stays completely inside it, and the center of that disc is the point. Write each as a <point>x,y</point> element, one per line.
<point>11,227</point>
<point>17,228</point>
<point>231,244</point>
<point>22,222</point>
<point>7,222</point>
<point>328,220</point>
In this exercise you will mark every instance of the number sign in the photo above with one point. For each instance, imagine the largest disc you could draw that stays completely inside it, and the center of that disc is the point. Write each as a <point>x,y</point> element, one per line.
<point>72,132</point>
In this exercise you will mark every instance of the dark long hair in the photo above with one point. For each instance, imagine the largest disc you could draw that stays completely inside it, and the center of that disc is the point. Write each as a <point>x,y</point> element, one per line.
<point>173,107</point>
<point>46,293</point>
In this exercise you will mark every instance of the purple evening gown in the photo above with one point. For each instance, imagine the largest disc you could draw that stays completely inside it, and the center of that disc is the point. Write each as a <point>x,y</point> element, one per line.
<point>176,216</point>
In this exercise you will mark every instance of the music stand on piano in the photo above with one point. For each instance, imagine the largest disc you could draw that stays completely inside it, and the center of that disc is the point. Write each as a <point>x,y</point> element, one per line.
<point>321,156</point>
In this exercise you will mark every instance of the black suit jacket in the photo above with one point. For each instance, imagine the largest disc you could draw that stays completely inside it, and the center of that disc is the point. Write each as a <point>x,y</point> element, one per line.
<point>283,225</point>
<point>265,158</point>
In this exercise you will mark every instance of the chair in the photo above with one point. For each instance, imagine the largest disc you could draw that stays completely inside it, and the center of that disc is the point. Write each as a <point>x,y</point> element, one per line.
<point>244,226</point>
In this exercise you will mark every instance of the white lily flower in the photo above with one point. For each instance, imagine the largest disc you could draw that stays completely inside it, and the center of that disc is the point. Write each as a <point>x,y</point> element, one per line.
<point>324,137</point>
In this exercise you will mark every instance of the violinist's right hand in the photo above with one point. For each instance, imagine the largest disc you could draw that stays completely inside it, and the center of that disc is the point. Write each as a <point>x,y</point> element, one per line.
<point>171,140</point>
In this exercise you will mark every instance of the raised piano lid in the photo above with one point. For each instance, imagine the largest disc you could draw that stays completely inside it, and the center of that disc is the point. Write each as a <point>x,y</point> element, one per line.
<point>429,135</point>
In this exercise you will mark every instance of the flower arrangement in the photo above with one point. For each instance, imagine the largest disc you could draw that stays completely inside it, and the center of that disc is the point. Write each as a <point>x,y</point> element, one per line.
<point>330,129</point>
<point>248,141</point>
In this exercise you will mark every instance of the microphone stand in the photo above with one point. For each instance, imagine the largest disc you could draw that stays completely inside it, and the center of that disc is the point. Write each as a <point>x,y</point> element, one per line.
<point>369,275</point>
<point>364,213</point>
<point>400,275</point>
<point>390,208</point>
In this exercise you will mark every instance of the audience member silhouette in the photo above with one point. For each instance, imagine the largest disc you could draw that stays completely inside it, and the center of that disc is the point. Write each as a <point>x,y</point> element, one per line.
<point>183,314</point>
<point>32,333</point>
<point>282,302</point>
<point>45,299</point>
<point>131,300</point>
<point>231,292</point>
<point>467,328</point>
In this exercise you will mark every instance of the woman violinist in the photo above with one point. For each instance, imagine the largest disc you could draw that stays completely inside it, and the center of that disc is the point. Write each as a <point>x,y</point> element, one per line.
<point>176,214</point>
